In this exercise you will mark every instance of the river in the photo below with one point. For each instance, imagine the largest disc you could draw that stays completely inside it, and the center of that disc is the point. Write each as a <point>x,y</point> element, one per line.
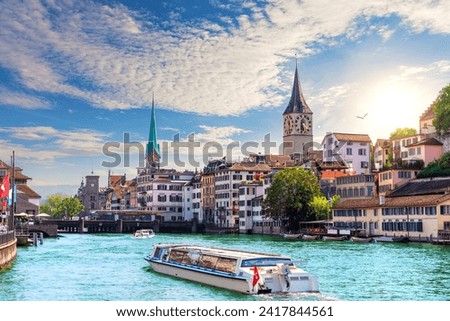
<point>104,267</point>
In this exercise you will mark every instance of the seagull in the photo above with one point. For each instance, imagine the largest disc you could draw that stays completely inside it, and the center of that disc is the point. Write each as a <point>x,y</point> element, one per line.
<point>362,117</point>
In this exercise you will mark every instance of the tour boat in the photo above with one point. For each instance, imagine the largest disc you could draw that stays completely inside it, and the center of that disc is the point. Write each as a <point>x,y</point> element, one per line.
<point>242,271</point>
<point>144,234</point>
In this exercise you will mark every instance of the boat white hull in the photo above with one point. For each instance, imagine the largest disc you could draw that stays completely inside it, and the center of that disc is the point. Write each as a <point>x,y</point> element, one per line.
<point>229,283</point>
<point>269,282</point>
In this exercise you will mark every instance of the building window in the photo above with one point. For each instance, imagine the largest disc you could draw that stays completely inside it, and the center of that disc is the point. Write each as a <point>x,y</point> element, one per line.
<point>362,152</point>
<point>364,164</point>
<point>349,151</point>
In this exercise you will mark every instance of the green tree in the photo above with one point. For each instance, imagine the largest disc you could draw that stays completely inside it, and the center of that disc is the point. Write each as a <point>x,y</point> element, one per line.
<point>289,196</point>
<point>402,132</point>
<point>71,206</point>
<point>59,205</point>
<point>441,107</point>
<point>321,206</point>
<point>52,205</point>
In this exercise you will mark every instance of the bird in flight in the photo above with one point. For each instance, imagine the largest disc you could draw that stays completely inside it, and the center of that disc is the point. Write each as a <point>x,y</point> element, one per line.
<point>362,117</point>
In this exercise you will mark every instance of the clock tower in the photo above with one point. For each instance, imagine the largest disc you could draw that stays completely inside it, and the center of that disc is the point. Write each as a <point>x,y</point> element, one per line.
<point>297,124</point>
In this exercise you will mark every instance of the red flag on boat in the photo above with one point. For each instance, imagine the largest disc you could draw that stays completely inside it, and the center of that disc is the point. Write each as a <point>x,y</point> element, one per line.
<point>4,205</point>
<point>4,188</point>
<point>255,276</point>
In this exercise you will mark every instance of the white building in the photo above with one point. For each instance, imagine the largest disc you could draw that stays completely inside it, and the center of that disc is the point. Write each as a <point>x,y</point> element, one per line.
<point>197,209</point>
<point>250,197</point>
<point>161,191</point>
<point>227,183</point>
<point>352,149</point>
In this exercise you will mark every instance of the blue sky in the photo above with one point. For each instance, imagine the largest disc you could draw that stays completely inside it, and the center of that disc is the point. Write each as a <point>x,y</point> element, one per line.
<point>75,75</point>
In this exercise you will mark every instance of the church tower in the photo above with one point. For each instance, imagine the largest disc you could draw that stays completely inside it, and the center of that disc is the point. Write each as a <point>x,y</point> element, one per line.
<point>153,153</point>
<point>297,124</point>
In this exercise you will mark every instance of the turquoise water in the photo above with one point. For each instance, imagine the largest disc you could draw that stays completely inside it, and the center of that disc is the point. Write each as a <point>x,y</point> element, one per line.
<point>112,267</point>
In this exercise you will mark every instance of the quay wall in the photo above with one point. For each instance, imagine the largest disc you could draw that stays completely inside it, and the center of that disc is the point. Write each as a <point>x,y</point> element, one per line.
<point>8,248</point>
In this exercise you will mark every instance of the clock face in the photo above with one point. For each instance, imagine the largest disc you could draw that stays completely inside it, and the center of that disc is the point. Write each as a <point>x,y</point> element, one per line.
<point>303,124</point>
<point>288,125</point>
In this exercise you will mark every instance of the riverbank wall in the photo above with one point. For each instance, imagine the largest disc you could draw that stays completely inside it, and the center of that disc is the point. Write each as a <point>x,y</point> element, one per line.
<point>8,249</point>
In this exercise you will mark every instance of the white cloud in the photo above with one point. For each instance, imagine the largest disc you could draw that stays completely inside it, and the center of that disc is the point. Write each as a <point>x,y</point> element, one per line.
<point>114,58</point>
<point>47,144</point>
<point>21,100</point>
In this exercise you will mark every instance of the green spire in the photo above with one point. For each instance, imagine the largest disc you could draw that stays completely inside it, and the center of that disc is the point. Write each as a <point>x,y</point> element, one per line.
<point>153,153</point>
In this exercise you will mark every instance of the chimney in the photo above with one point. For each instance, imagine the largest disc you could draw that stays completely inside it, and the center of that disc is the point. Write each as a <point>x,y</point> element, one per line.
<point>382,199</point>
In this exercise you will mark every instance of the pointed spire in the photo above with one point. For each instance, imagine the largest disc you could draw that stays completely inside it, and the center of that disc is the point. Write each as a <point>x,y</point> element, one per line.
<point>297,104</point>
<point>153,152</point>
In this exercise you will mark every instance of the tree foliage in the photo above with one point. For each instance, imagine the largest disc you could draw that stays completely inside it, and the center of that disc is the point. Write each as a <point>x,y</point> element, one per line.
<point>321,206</point>
<point>290,194</point>
<point>441,107</point>
<point>441,167</point>
<point>402,133</point>
<point>60,205</point>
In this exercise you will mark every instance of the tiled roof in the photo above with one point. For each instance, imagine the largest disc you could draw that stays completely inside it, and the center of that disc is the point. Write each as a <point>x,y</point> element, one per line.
<point>418,200</point>
<point>27,191</point>
<point>383,143</point>
<point>363,138</point>
<point>429,141</point>
<point>250,167</point>
<point>423,186</point>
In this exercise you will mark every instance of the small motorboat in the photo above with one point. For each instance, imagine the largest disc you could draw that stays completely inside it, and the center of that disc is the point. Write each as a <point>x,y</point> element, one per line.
<point>306,237</point>
<point>292,236</point>
<point>361,239</point>
<point>334,238</point>
<point>144,234</point>
<point>392,239</point>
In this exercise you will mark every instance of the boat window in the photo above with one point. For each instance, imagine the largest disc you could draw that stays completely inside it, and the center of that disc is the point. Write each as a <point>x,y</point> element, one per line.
<point>177,256</point>
<point>226,264</point>
<point>158,253</point>
<point>208,261</point>
<point>265,262</point>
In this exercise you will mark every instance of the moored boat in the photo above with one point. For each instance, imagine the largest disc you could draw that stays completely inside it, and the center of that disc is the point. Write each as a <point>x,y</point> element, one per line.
<point>334,238</point>
<point>144,234</point>
<point>292,236</point>
<point>306,237</point>
<point>361,239</point>
<point>242,271</point>
<point>392,239</point>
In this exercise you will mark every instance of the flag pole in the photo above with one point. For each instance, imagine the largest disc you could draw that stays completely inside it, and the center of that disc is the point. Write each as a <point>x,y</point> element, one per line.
<point>13,201</point>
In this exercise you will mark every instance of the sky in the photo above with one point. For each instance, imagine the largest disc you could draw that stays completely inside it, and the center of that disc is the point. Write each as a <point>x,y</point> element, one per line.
<point>77,78</point>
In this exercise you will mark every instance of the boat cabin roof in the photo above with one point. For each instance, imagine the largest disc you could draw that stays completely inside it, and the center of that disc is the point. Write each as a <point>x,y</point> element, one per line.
<point>223,252</point>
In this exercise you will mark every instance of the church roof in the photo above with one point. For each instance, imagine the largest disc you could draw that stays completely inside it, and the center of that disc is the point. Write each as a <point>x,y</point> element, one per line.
<point>297,104</point>
<point>152,144</point>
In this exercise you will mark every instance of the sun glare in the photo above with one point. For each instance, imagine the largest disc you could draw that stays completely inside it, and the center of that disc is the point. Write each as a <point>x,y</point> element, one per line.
<point>395,106</point>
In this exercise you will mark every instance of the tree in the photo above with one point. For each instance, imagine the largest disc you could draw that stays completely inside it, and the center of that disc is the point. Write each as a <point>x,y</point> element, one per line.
<point>289,196</point>
<point>402,133</point>
<point>52,205</point>
<point>441,106</point>
<point>321,206</point>
<point>59,205</point>
<point>71,206</point>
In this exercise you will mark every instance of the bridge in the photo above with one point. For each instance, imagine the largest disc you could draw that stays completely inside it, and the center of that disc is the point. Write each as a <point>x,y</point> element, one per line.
<point>114,226</point>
